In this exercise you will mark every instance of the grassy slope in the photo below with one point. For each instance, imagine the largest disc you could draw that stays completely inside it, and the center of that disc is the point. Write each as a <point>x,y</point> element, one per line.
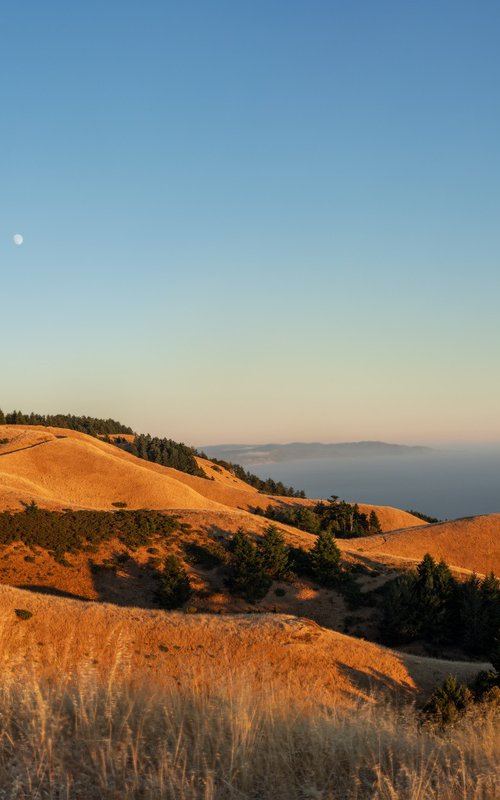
<point>64,635</point>
<point>472,543</point>
<point>82,472</point>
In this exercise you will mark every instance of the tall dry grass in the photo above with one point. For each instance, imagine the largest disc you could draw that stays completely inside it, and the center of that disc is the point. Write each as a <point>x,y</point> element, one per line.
<point>78,739</point>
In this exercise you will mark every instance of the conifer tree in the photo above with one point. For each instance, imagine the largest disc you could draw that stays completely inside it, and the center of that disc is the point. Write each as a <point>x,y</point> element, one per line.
<point>174,585</point>
<point>247,575</point>
<point>275,558</point>
<point>325,559</point>
<point>374,523</point>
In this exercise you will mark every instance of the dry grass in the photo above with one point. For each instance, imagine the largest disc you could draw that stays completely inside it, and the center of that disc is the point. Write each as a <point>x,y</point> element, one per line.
<point>472,543</point>
<point>100,703</point>
<point>65,636</point>
<point>80,471</point>
<point>81,740</point>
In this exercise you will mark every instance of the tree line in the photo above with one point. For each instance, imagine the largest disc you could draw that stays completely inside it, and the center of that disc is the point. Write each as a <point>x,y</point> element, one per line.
<point>166,452</point>
<point>90,425</point>
<point>264,486</point>
<point>163,451</point>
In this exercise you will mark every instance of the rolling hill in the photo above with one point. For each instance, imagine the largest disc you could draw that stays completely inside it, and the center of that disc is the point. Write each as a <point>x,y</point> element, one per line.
<point>472,543</point>
<point>61,468</point>
<point>67,636</point>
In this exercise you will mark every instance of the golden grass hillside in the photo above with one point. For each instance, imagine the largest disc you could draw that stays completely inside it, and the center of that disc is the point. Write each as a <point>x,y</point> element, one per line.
<point>472,543</point>
<point>100,703</point>
<point>60,468</point>
<point>64,636</point>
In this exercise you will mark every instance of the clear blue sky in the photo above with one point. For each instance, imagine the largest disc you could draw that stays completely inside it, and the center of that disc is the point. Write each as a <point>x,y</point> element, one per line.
<point>252,221</point>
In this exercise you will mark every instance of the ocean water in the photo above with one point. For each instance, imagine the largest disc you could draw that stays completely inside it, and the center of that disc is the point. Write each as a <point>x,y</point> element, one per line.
<point>446,484</point>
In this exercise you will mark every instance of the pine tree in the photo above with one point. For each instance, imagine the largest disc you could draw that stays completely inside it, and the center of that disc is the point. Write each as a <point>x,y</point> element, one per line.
<point>174,585</point>
<point>325,559</point>
<point>400,619</point>
<point>274,552</point>
<point>374,523</point>
<point>247,575</point>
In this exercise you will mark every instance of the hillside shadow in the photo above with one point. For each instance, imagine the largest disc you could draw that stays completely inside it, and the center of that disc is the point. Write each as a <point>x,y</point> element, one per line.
<point>379,684</point>
<point>124,582</point>
<point>52,590</point>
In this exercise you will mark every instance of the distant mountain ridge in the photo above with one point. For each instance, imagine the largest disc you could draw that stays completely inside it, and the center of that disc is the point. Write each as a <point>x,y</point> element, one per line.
<point>294,451</point>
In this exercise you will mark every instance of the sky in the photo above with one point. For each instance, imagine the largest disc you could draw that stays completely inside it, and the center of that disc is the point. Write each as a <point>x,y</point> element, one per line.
<point>253,221</point>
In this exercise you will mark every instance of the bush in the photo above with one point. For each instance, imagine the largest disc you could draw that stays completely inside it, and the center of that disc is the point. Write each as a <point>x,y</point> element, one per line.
<point>207,556</point>
<point>448,703</point>
<point>22,613</point>
<point>300,561</point>
<point>174,585</point>
<point>74,531</point>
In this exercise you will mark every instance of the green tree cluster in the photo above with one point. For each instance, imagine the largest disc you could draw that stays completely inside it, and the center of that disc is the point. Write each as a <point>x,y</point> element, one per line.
<point>424,517</point>
<point>163,451</point>
<point>253,566</point>
<point>430,604</point>
<point>90,425</point>
<point>342,519</point>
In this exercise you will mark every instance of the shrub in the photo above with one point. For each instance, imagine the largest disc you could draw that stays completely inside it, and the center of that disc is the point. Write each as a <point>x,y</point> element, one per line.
<point>447,703</point>
<point>22,613</point>
<point>74,531</point>
<point>206,556</point>
<point>174,585</point>
<point>300,561</point>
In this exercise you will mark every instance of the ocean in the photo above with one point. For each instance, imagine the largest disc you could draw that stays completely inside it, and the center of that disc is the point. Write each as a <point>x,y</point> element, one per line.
<point>442,483</point>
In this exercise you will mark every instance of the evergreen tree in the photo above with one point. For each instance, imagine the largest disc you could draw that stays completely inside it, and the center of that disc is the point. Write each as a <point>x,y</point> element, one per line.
<point>433,593</point>
<point>174,585</point>
<point>374,523</point>
<point>274,552</point>
<point>400,618</point>
<point>479,609</point>
<point>325,559</point>
<point>247,574</point>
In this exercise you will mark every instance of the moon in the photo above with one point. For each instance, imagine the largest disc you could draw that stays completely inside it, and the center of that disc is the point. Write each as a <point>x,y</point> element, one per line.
<point>17,239</point>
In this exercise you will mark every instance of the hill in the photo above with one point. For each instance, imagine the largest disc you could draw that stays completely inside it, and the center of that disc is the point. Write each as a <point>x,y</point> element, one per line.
<point>60,468</point>
<point>171,645</point>
<point>472,543</point>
